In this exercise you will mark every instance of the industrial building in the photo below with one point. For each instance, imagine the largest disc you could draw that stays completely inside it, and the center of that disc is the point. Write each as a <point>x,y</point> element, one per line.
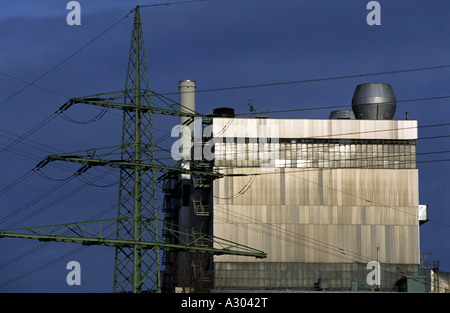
<point>322,197</point>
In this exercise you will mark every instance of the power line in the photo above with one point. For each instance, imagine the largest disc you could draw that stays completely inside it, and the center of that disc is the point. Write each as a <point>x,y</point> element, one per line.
<point>15,182</point>
<point>34,85</point>
<point>295,82</point>
<point>32,202</point>
<point>242,191</point>
<point>379,130</point>
<point>31,143</point>
<point>169,3</point>
<point>343,106</point>
<point>18,258</point>
<point>37,170</point>
<point>63,61</point>
<point>25,254</point>
<point>53,189</point>
<point>30,132</point>
<point>37,269</point>
<point>20,139</point>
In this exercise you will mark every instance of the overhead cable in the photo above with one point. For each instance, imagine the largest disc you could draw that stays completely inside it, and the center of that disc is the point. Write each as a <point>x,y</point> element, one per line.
<point>313,80</point>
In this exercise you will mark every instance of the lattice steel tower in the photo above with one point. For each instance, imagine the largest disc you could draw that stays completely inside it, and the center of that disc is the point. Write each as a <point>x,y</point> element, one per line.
<point>136,232</point>
<point>137,137</point>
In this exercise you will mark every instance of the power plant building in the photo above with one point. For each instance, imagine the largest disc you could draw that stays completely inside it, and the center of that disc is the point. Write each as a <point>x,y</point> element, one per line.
<point>322,197</point>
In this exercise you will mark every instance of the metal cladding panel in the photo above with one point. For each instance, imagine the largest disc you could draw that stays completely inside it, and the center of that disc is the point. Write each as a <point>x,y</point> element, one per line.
<point>320,187</point>
<point>309,128</point>
<point>333,215</point>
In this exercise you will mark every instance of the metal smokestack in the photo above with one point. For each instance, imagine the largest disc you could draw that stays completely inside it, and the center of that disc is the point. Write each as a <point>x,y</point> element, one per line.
<point>186,89</point>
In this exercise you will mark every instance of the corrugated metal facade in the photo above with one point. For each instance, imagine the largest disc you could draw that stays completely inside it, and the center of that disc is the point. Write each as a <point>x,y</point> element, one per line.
<point>308,216</point>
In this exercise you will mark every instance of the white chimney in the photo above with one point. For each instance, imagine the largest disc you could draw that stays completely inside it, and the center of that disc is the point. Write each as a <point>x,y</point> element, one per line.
<point>186,89</point>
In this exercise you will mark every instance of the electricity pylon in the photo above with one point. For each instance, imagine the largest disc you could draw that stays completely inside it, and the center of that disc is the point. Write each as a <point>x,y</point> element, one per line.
<point>136,232</point>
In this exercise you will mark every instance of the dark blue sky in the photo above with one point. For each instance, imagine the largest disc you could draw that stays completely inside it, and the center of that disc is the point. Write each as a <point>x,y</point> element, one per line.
<point>218,43</point>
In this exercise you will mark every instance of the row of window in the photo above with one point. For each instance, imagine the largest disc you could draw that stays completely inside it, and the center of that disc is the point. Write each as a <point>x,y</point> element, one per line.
<point>333,276</point>
<point>317,153</point>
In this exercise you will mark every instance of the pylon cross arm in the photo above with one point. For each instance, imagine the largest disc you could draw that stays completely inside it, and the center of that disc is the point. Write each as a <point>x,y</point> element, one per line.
<point>98,160</point>
<point>108,100</point>
<point>103,233</point>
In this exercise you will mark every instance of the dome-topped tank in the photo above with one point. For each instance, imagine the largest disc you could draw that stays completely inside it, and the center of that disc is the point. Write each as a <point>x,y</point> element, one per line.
<point>374,101</point>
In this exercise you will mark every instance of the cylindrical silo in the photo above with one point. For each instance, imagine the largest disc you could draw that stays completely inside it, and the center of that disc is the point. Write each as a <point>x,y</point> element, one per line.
<point>374,101</point>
